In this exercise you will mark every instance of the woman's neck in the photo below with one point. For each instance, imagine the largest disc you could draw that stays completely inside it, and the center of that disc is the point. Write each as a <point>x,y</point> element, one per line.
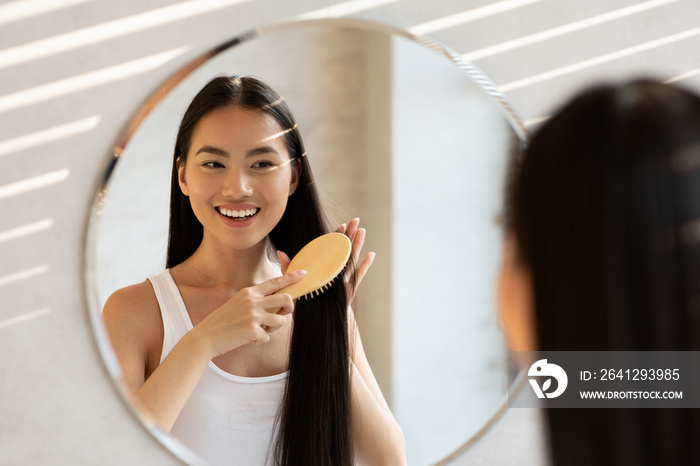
<point>210,266</point>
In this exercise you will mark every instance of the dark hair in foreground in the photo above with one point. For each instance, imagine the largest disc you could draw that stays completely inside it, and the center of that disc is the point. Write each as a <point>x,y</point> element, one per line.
<point>605,209</point>
<point>314,422</point>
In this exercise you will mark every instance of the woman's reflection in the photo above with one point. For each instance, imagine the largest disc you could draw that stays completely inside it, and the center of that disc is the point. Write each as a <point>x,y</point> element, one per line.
<point>239,375</point>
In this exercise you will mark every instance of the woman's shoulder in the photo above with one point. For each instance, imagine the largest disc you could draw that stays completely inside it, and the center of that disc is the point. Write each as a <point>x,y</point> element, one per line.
<point>133,310</point>
<point>139,296</point>
<point>132,319</point>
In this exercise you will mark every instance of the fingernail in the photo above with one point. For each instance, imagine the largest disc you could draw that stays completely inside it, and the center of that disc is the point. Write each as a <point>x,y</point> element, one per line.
<point>300,273</point>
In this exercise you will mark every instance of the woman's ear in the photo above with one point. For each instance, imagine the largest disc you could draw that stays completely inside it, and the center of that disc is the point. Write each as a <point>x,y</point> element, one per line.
<point>181,176</point>
<point>516,307</point>
<point>296,174</point>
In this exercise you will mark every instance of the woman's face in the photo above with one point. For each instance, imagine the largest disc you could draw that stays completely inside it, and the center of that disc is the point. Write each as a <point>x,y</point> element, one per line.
<point>515,300</point>
<point>238,176</point>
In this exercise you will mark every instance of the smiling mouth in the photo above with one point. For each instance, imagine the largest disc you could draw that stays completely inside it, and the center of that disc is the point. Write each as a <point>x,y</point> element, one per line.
<point>238,214</point>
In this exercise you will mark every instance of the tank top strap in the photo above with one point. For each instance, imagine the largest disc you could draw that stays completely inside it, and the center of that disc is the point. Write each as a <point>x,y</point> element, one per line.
<point>176,320</point>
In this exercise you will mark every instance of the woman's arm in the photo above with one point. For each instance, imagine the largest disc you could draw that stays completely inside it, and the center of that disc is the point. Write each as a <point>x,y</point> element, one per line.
<point>135,329</point>
<point>377,436</point>
<point>133,322</point>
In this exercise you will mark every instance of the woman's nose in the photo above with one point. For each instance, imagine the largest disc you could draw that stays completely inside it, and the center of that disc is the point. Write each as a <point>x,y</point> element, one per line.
<point>237,184</point>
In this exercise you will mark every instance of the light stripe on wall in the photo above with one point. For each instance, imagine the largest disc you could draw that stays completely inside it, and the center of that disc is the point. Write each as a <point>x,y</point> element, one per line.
<point>87,80</point>
<point>24,317</point>
<point>48,135</point>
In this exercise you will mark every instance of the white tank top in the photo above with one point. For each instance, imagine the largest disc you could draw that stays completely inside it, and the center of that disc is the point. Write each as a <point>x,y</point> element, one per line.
<point>228,420</point>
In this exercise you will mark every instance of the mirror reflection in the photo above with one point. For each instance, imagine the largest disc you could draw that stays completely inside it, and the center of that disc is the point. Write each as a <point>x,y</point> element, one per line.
<point>396,135</point>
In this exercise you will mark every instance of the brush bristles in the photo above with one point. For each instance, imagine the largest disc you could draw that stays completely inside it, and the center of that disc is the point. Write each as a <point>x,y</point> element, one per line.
<point>322,289</point>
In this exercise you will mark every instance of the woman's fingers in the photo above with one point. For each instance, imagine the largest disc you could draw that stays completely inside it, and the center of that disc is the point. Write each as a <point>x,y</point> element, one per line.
<point>281,304</point>
<point>276,307</point>
<point>351,229</point>
<point>357,237</point>
<point>277,283</point>
<point>357,242</point>
<point>250,315</point>
<point>362,269</point>
<point>273,322</point>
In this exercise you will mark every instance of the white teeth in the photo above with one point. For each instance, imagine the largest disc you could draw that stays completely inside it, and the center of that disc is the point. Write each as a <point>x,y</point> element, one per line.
<point>238,213</point>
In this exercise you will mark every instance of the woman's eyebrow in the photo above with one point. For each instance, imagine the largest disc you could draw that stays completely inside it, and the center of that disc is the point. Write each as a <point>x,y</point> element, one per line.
<point>212,150</point>
<point>261,150</point>
<point>251,153</point>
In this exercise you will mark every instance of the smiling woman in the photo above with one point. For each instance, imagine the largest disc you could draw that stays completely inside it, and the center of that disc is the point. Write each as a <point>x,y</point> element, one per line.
<point>398,135</point>
<point>195,340</point>
<point>242,168</point>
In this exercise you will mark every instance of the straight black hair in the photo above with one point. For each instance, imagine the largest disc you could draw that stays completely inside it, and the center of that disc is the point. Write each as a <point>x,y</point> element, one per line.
<point>605,211</point>
<point>314,420</point>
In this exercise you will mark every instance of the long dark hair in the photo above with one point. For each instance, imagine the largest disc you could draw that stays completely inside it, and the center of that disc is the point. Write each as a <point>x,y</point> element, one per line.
<point>605,210</point>
<point>314,420</point>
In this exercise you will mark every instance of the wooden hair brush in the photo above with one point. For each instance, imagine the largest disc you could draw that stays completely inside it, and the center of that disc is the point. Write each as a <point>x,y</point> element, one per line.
<point>323,259</point>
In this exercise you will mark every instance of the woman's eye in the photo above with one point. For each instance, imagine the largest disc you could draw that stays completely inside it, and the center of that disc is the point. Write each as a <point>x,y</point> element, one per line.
<point>262,164</point>
<point>213,164</point>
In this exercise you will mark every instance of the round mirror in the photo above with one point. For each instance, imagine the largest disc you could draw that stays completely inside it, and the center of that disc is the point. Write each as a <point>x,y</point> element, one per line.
<point>400,133</point>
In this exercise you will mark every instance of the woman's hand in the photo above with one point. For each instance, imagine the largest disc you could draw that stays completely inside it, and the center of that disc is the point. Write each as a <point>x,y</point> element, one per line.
<point>250,316</point>
<point>357,238</point>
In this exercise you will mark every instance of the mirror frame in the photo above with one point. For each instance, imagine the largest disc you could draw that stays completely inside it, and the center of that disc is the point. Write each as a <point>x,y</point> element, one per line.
<point>152,101</point>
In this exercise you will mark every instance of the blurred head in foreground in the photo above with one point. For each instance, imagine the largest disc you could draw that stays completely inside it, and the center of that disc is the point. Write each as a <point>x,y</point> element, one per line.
<point>603,253</point>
